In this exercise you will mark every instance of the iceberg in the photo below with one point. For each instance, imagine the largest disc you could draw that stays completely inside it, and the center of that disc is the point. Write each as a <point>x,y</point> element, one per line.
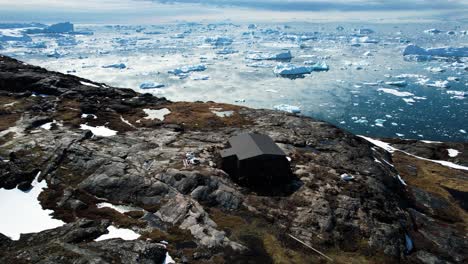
<point>317,66</point>
<point>270,56</point>
<point>291,69</point>
<point>287,108</point>
<point>151,85</point>
<point>187,69</point>
<point>219,41</point>
<point>432,31</point>
<point>115,66</point>
<point>65,27</point>
<point>439,52</point>
<point>365,31</point>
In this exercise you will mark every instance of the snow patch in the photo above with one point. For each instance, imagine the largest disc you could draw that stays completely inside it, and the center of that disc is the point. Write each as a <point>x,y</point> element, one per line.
<point>23,213</point>
<point>453,153</point>
<point>99,130</point>
<point>156,114</point>
<point>123,233</point>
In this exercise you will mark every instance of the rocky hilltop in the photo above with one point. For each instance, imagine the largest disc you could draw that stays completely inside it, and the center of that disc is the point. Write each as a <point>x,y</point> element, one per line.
<point>133,173</point>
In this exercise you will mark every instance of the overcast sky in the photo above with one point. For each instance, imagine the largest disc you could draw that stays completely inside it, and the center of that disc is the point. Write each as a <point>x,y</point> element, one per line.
<point>150,11</point>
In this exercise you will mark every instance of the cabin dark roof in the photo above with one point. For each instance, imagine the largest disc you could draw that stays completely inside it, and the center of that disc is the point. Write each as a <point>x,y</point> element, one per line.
<point>246,146</point>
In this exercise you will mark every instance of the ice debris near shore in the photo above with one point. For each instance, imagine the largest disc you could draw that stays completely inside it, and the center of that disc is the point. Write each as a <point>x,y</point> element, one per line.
<point>187,69</point>
<point>151,85</point>
<point>438,52</point>
<point>288,108</point>
<point>115,66</point>
<point>270,56</point>
<point>285,69</point>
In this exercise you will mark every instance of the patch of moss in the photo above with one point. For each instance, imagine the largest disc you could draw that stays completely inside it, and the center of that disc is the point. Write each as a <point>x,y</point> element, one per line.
<point>200,116</point>
<point>435,179</point>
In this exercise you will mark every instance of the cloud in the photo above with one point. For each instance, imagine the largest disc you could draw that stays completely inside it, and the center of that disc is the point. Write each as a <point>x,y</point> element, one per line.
<point>153,11</point>
<point>340,5</point>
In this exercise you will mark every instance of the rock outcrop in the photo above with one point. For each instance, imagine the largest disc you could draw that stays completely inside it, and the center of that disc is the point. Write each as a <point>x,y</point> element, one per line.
<point>197,208</point>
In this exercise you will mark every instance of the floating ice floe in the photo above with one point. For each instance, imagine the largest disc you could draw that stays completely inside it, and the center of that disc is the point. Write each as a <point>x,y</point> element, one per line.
<point>397,83</point>
<point>380,122</point>
<point>151,85</point>
<point>115,66</point>
<point>439,52</point>
<point>287,108</point>
<point>439,84</point>
<point>462,131</point>
<point>101,131</point>
<point>23,213</point>
<point>123,233</point>
<point>457,94</point>
<point>432,31</point>
<point>395,92</point>
<point>219,41</point>
<point>270,56</point>
<point>156,114</point>
<point>187,69</point>
<point>317,66</point>
<point>453,153</point>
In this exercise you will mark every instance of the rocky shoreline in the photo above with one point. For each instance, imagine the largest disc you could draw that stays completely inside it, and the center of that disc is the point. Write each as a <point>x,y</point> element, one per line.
<point>398,209</point>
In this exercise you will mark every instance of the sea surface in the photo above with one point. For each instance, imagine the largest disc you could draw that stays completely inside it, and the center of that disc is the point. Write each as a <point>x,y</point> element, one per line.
<point>354,94</point>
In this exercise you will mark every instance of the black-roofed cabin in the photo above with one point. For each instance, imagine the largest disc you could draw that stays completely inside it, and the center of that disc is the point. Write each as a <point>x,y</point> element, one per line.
<point>255,159</point>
